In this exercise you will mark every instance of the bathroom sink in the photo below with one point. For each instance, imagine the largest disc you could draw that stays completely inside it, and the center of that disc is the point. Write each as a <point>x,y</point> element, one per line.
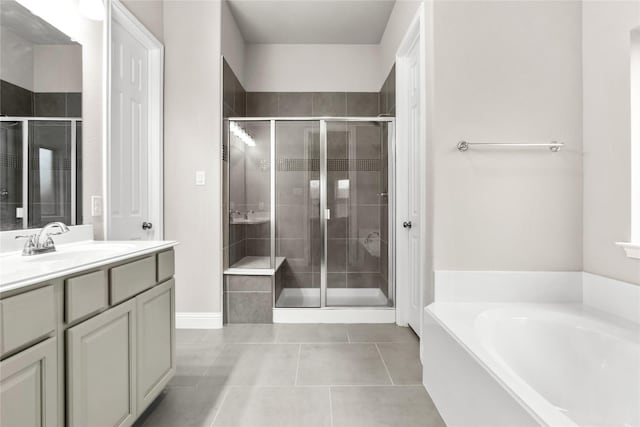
<point>79,252</point>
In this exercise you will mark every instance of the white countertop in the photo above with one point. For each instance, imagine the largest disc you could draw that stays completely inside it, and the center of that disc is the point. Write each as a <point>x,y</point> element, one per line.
<point>17,271</point>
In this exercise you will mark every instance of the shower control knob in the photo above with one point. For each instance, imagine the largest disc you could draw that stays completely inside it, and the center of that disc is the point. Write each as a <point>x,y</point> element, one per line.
<point>406,224</point>
<point>146,225</point>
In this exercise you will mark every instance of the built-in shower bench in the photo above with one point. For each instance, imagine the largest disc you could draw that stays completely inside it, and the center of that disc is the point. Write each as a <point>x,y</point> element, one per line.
<point>249,286</point>
<point>255,265</point>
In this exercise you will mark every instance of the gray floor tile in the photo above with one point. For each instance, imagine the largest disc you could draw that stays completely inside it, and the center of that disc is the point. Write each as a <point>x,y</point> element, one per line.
<point>349,364</point>
<point>213,336</point>
<point>403,362</point>
<point>194,359</point>
<point>407,406</point>
<point>184,407</point>
<point>184,381</point>
<point>189,336</point>
<point>380,333</point>
<point>312,333</point>
<point>275,406</point>
<point>242,333</point>
<point>255,364</point>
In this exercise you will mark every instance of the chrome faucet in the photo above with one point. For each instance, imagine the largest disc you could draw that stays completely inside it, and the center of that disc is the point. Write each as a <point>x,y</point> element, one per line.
<point>41,242</point>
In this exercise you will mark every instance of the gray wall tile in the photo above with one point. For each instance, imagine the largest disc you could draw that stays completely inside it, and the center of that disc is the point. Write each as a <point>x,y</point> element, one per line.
<point>388,94</point>
<point>297,104</point>
<point>362,104</point>
<point>262,104</point>
<point>249,307</point>
<point>235,283</point>
<point>368,140</point>
<point>359,260</point>
<point>336,255</point>
<point>50,104</point>
<point>74,104</point>
<point>337,280</point>
<point>258,247</point>
<point>15,100</point>
<point>329,104</point>
<point>363,280</point>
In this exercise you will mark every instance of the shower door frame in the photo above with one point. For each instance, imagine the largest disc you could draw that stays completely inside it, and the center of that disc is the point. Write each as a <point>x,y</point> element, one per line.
<point>24,123</point>
<point>391,200</point>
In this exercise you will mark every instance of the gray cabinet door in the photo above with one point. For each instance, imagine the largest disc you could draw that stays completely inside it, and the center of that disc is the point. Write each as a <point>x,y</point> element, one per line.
<point>28,390</point>
<point>155,312</point>
<point>101,355</point>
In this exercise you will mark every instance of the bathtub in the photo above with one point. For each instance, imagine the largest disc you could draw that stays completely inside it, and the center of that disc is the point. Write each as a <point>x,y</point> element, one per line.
<point>517,364</point>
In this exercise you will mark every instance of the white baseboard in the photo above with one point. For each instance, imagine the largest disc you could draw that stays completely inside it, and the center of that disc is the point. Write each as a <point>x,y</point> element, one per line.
<point>338,315</point>
<point>190,320</point>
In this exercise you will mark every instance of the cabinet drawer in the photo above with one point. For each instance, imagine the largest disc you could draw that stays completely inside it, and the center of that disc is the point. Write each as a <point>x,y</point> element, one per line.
<point>130,279</point>
<point>26,317</point>
<point>84,295</point>
<point>166,265</point>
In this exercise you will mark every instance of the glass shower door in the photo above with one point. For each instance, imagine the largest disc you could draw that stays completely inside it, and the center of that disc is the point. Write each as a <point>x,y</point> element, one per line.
<point>357,214</point>
<point>297,197</point>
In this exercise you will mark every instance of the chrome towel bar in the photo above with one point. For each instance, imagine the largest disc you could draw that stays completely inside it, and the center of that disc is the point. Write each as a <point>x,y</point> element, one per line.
<point>553,145</point>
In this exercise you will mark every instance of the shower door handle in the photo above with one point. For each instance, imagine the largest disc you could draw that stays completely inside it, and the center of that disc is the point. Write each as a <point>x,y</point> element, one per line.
<point>327,214</point>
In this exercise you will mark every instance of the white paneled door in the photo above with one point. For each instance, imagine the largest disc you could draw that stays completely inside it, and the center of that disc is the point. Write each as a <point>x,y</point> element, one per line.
<point>129,201</point>
<point>134,165</point>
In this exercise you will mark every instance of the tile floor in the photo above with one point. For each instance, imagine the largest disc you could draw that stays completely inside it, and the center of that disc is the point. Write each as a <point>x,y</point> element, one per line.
<point>295,376</point>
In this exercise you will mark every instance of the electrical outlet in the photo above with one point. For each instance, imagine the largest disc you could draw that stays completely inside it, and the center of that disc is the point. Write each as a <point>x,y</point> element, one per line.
<point>96,205</point>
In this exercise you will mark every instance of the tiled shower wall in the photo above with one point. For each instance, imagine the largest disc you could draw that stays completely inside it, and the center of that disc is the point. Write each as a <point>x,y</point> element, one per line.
<point>16,101</point>
<point>234,105</point>
<point>297,237</point>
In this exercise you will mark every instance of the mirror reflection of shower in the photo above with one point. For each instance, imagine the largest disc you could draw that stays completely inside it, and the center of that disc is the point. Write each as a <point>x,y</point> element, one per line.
<point>40,122</point>
<point>41,173</point>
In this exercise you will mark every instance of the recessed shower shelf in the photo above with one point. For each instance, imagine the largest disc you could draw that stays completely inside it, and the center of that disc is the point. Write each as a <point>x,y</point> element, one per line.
<point>255,266</point>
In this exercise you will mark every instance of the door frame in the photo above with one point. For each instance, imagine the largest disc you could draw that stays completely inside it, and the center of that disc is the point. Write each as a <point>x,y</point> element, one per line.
<point>416,33</point>
<point>116,11</point>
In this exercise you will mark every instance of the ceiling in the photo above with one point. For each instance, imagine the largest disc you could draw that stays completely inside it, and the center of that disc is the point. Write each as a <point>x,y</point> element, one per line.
<point>312,21</point>
<point>20,21</point>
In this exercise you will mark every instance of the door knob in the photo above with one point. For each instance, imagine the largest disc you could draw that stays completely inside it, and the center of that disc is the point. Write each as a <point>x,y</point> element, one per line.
<point>147,225</point>
<point>406,224</point>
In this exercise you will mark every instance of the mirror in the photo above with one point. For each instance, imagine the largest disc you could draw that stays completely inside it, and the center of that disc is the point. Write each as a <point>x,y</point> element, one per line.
<point>40,122</point>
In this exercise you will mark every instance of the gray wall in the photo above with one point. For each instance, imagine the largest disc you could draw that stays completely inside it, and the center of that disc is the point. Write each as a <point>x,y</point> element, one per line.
<point>606,28</point>
<point>520,81</point>
<point>150,13</point>
<point>192,142</point>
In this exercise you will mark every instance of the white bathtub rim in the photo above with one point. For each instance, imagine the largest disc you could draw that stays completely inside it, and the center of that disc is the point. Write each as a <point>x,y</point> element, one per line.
<point>529,399</point>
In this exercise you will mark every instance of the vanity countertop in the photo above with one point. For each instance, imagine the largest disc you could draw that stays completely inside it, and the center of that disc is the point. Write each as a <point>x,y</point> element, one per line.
<point>17,271</point>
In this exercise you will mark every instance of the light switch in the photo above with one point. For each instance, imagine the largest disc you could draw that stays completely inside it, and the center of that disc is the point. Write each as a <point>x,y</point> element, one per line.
<point>200,178</point>
<point>96,205</point>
